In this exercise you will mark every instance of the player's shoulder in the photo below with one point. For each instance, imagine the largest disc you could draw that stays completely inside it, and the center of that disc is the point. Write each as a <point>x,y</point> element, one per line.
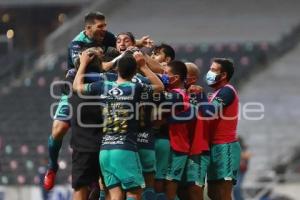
<point>81,37</point>
<point>138,78</point>
<point>110,35</point>
<point>109,39</point>
<point>227,90</point>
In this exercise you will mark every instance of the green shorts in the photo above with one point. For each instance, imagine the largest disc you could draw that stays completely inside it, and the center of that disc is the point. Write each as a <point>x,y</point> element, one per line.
<point>177,164</point>
<point>148,161</point>
<point>196,169</point>
<point>162,154</point>
<point>63,110</point>
<point>224,162</point>
<point>121,168</point>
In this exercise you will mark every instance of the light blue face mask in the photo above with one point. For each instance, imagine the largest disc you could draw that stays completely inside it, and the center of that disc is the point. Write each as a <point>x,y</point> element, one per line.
<point>211,77</point>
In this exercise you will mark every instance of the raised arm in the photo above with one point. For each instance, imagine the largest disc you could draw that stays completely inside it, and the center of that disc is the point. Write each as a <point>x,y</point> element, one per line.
<point>85,59</point>
<point>155,81</point>
<point>155,66</point>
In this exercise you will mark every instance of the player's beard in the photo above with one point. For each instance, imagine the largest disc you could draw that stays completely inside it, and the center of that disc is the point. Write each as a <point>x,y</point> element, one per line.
<point>99,36</point>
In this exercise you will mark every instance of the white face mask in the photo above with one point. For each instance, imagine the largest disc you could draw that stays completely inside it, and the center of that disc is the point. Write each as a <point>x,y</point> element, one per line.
<point>211,77</point>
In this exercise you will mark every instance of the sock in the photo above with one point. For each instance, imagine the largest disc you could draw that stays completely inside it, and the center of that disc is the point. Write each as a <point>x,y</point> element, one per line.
<point>161,196</point>
<point>53,148</point>
<point>102,195</point>
<point>148,194</point>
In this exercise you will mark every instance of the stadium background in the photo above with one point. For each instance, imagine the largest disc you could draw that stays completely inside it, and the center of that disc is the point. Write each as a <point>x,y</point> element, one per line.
<point>261,36</point>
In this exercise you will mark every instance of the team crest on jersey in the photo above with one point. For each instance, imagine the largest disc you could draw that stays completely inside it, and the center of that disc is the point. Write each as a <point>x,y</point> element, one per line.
<point>115,92</point>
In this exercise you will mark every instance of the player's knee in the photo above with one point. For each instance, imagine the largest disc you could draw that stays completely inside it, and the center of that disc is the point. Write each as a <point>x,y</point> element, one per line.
<point>134,194</point>
<point>59,129</point>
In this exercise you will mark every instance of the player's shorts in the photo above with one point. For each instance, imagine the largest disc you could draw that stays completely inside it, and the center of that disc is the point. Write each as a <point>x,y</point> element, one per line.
<point>224,162</point>
<point>148,161</point>
<point>63,110</point>
<point>196,169</point>
<point>162,154</point>
<point>121,168</point>
<point>85,168</point>
<point>177,163</point>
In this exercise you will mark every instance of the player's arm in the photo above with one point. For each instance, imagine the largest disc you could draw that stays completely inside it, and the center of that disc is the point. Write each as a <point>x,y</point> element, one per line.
<point>223,99</point>
<point>155,66</point>
<point>109,65</point>
<point>78,84</point>
<point>74,49</point>
<point>145,41</point>
<point>156,83</point>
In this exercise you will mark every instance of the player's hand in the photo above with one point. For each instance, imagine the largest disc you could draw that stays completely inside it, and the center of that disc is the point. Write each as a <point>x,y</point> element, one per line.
<point>164,64</point>
<point>149,43</point>
<point>140,60</point>
<point>86,57</point>
<point>145,41</point>
<point>132,48</point>
<point>195,89</point>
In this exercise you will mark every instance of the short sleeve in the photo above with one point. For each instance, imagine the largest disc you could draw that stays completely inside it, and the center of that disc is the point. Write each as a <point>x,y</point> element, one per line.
<point>95,88</point>
<point>225,97</point>
<point>75,49</point>
<point>145,91</point>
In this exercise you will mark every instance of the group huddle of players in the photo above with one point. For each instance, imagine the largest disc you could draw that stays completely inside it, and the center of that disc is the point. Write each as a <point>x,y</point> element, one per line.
<point>141,126</point>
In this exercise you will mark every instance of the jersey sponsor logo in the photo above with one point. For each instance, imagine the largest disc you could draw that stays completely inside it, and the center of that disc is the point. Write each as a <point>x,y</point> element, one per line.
<point>136,80</point>
<point>115,92</point>
<point>143,137</point>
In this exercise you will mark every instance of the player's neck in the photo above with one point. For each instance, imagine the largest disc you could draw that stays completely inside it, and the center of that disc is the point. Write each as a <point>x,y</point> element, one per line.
<point>121,80</point>
<point>178,85</point>
<point>88,34</point>
<point>220,85</point>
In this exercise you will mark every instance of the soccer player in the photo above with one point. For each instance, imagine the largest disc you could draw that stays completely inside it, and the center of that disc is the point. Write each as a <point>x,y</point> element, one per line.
<point>85,140</point>
<point>225,149</point>
<point>124,41</point>
<point>161,55</point>
<point>119,160</point>
<point>94,35</point>
<point>179,135</point>
<point>145,138</point>
<point>197,164</point>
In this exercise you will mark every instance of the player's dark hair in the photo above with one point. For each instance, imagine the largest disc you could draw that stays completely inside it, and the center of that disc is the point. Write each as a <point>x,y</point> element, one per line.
<point>167,49</point>
<point>94,66</point>
<point>226,66</point>
<point>178,68</point>
<point>90,17</point>
<point>127,66</point>
<point>129,34</point>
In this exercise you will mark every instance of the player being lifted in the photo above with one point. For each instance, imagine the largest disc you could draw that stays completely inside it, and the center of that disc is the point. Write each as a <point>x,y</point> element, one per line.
<point>94,35</point>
